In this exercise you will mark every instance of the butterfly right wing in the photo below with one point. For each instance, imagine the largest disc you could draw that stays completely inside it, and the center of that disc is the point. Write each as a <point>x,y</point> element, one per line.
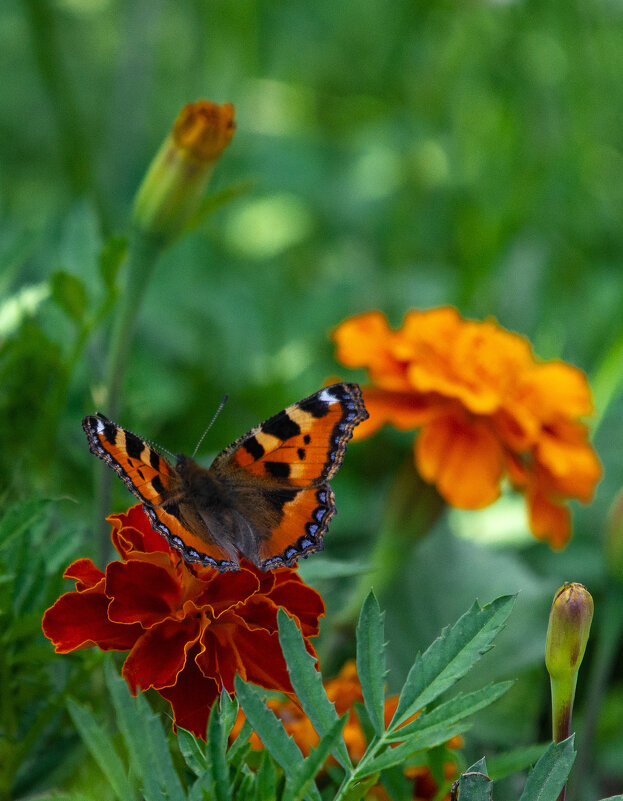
<point>146,473</point>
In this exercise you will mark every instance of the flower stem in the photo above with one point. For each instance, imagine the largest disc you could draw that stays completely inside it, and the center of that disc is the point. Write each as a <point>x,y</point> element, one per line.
<point>143,254</point>
<point>608,637</point>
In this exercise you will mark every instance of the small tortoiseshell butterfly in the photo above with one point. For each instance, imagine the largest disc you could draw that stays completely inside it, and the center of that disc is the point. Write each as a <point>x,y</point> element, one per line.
<point>266,496</point>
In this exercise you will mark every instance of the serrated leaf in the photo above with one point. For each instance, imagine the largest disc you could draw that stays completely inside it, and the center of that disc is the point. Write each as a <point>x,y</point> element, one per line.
<point>371,661</point>
<point>145,741</point>
<point>240,747</point>
<point>479,767</point>
<point>266,786</point>
<point>216,752</point>
<point>101,749</point>
<point>111,258</point>
<point>475,786</point>
<point>302,779</point>
<point>398,787</point>
<point>451,655</point>
<point>455,709</point>
<point>435,735</point>
<point>613,798</point>
<point>270,730</point>
<point>550,773</point>
<point>69,293</point>
<point>359,789</point>
<point>191,751</point>
<point>307,683</point>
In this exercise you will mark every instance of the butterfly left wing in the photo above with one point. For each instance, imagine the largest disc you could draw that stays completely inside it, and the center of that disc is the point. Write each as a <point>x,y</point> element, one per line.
<point>289,460</point>
<point>146,473</point>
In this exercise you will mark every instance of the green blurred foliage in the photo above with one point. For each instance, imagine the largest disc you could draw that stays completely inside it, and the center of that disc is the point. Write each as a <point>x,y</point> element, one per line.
<point>399,155</point>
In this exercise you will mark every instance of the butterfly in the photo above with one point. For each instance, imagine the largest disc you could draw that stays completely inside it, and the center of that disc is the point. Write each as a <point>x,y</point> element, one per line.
<point>266,497</point>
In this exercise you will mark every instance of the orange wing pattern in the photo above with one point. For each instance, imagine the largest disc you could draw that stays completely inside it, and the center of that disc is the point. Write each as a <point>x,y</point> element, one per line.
<point>145,473</point>
<point>303,445</point>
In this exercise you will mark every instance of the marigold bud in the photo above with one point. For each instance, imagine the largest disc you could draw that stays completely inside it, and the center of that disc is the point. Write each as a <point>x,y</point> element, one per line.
<point>614,539</point>
<point>567,634</point>
<point>175,182</point>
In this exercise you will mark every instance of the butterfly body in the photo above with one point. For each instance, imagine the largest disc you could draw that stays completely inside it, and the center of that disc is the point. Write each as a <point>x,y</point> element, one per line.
<point>265,497</point>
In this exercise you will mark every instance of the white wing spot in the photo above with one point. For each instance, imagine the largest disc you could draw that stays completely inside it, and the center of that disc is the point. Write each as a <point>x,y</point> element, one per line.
<point>99,425</point>
<point>326,396</point>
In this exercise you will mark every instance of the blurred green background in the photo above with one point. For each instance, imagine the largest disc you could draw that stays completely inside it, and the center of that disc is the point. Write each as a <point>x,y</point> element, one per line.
<point>399,155</point>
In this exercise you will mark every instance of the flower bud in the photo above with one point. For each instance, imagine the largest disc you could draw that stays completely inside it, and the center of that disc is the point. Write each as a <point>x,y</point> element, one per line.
<point>175,182</point>
<point>567,634</point>
<point>569,626</point>
<point>614,539</point>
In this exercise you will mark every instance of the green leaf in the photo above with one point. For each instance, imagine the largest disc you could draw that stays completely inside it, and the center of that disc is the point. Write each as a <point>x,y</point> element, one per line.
<point>358,790</point>
<point>421,741</point>
<point>145,741</point>
<point>270,730</point>
<point>613,798</point>
<point>302,779</point>
<point>453,710</point>
<point>216,750</point>
<point>371,661</point>
<point>479,767</point>
<point>99,744</point>
<point>307,683</point>
<point>266,787</point>
<point>475,786</point>
<point>192,752</point>
<point>69,293</point>
<point>111,258</point>
<point>550,773</point>
<point>451,655</point>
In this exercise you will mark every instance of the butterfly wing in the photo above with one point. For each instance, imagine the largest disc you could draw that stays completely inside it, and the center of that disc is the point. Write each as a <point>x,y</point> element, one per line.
<point>146,473</point>
<point>288,461</point>
<point>157,484</point>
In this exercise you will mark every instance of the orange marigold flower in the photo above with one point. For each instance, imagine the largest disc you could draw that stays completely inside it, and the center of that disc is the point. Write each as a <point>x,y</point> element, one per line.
<point>487,409</point>
<point>189,628</point>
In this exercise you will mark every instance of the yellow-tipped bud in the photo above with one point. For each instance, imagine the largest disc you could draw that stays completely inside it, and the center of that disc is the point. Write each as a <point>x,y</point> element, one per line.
<point>567,634</point>
<point>177,177</point>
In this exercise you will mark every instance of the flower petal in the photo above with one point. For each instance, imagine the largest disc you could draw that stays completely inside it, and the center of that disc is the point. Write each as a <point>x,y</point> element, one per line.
<point>549,521</point>
<point>160,654</point>
<point>132,531</point>
<point>191,697</point>
<point>86,574</point>
<point>463,459</point>
<point>142,592</point>
<point>80,620</point>
<point>404,410</point>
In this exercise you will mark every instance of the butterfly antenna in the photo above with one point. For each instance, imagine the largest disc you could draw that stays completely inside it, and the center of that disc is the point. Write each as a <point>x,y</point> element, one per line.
<point>216,414</point>
<point>159,447</point>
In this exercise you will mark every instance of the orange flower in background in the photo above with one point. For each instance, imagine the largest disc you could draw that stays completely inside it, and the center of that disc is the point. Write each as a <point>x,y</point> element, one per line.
<point>487,408</point>
<point>344,691</point>
<point>189,628</point>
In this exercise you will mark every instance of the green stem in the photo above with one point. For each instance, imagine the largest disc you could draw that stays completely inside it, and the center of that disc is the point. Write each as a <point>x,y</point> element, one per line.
<point>608,638</point>
<point>143,254</point>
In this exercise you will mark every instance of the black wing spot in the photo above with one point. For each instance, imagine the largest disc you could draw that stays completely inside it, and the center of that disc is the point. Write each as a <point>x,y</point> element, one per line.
<point>307,439</point>
<point>157,485</point>
<point>301,453</point>
<point>254,448</point>
<point>154,460</point>
<point>315,406</point>
<point>281,426</point>
<point>278,469</point>
<point>133,445</point>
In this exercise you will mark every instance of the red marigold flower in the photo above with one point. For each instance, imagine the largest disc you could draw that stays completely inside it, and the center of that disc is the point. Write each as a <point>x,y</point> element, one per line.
<point>487,409</point>
<point>189,628</point>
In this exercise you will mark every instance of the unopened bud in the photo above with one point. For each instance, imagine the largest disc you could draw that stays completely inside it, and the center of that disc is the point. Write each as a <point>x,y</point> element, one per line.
<point>567,634</point>
<point>177,177</point>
